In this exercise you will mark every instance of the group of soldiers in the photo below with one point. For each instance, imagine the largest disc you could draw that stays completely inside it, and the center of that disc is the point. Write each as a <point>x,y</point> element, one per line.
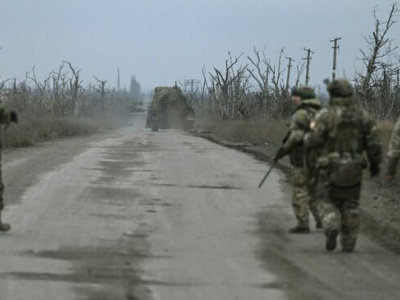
<point>329,148</point>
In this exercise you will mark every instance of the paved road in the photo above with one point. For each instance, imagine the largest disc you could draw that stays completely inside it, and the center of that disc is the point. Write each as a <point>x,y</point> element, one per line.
<point>139,215</point>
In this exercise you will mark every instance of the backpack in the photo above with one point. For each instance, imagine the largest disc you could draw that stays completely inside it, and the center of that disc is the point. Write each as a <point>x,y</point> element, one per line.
<point>297,155</point>
<point>345,147</point>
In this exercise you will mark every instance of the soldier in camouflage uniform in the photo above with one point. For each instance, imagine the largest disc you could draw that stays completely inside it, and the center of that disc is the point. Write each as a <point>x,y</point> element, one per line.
<point>6,118</point>
<point>343,132</point>
<point>393,152</point>
<point>303,190</point>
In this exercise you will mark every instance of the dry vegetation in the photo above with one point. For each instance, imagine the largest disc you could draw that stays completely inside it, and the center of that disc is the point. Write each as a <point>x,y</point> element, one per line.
<point>272,132</point>
<point>254,132</point>
<point>33,131</point>
<point>248,100</point>
<point>60,106</point>
<point>253,87</point>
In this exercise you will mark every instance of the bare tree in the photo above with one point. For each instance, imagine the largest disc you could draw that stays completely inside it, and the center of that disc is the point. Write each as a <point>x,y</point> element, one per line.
<point>75,85</point>
<point>379,46</point>
<point>279,96</point>
<point>205,87</point>
<point>238,88</point>
<point>277,72</point>
<point>190,88</point>
<point>60,85</point>
<point>261,76</point>
<point>4,82</point>
<point>43,99</point>
<point>300,68</point>
<point>223,80</point>
<point>101,88</point>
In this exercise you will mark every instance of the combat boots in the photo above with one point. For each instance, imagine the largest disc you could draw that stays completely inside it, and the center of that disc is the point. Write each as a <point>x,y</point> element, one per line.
<point>299,230</point>
<point>347,249</point>
<point>331,237</point>
<point>4,226</point>
<point>348,246</point>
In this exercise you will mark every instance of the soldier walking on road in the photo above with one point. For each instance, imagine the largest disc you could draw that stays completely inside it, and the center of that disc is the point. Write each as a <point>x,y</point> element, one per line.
<point>303,190</point>
<point>393,152</point>
<point>342,132</point>
<point>6,118</point>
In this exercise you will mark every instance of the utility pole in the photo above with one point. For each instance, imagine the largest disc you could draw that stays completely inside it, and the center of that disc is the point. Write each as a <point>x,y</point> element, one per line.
<point>288,73</point>
<point>118,84</point>
<point>308,58</point>
<point>335,52</point>
<point>192,85</point>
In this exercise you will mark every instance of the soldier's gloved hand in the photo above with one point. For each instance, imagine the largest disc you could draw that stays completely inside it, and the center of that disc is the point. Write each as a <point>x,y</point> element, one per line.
<point>374,170</point>
<point>279,154</point>
<point>13,117</point>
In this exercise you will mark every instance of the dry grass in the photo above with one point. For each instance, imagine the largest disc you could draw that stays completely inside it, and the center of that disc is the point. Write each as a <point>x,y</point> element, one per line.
<point>273,131</point>
<point>254,132</point>
<point>46,110</point>
<point>31,131</point>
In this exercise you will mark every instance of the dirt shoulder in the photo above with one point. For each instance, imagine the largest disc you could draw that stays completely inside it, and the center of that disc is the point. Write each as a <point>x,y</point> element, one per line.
<point>380,202</point>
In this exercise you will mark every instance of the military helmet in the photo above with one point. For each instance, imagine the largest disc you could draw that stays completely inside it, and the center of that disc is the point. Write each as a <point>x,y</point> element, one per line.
<point>340,88</point>
<point>304,92</point>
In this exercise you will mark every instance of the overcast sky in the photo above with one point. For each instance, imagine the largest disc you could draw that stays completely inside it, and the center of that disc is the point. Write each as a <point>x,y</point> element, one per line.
<point>163,41</point>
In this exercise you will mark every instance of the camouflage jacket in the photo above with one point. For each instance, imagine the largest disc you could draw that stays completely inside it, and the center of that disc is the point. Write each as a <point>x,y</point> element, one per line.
<point>324,135</point>
<point>394,150</point>
<point>5,119</point>
<point>299,125</point>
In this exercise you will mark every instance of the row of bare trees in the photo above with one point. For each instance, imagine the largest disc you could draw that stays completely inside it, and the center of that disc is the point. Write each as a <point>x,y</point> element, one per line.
<point>253,86</point>
<point>62,94</point>
<point>246,87</point>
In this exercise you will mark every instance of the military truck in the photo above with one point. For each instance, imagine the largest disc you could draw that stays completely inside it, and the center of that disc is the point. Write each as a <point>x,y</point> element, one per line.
<point>169,109</point>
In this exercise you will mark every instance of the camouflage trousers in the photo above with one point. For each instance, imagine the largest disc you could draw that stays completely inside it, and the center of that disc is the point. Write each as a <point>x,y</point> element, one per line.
<point>1,186</point>
<point>339,209</point>
<point>304,199</point>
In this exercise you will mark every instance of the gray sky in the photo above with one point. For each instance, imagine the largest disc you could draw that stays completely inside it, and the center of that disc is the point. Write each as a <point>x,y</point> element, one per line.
<point>161,41</point>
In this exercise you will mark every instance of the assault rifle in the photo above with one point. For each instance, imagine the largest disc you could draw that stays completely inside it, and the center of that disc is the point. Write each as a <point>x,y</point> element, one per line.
<point>274,162</point>
<point>268,172</point>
